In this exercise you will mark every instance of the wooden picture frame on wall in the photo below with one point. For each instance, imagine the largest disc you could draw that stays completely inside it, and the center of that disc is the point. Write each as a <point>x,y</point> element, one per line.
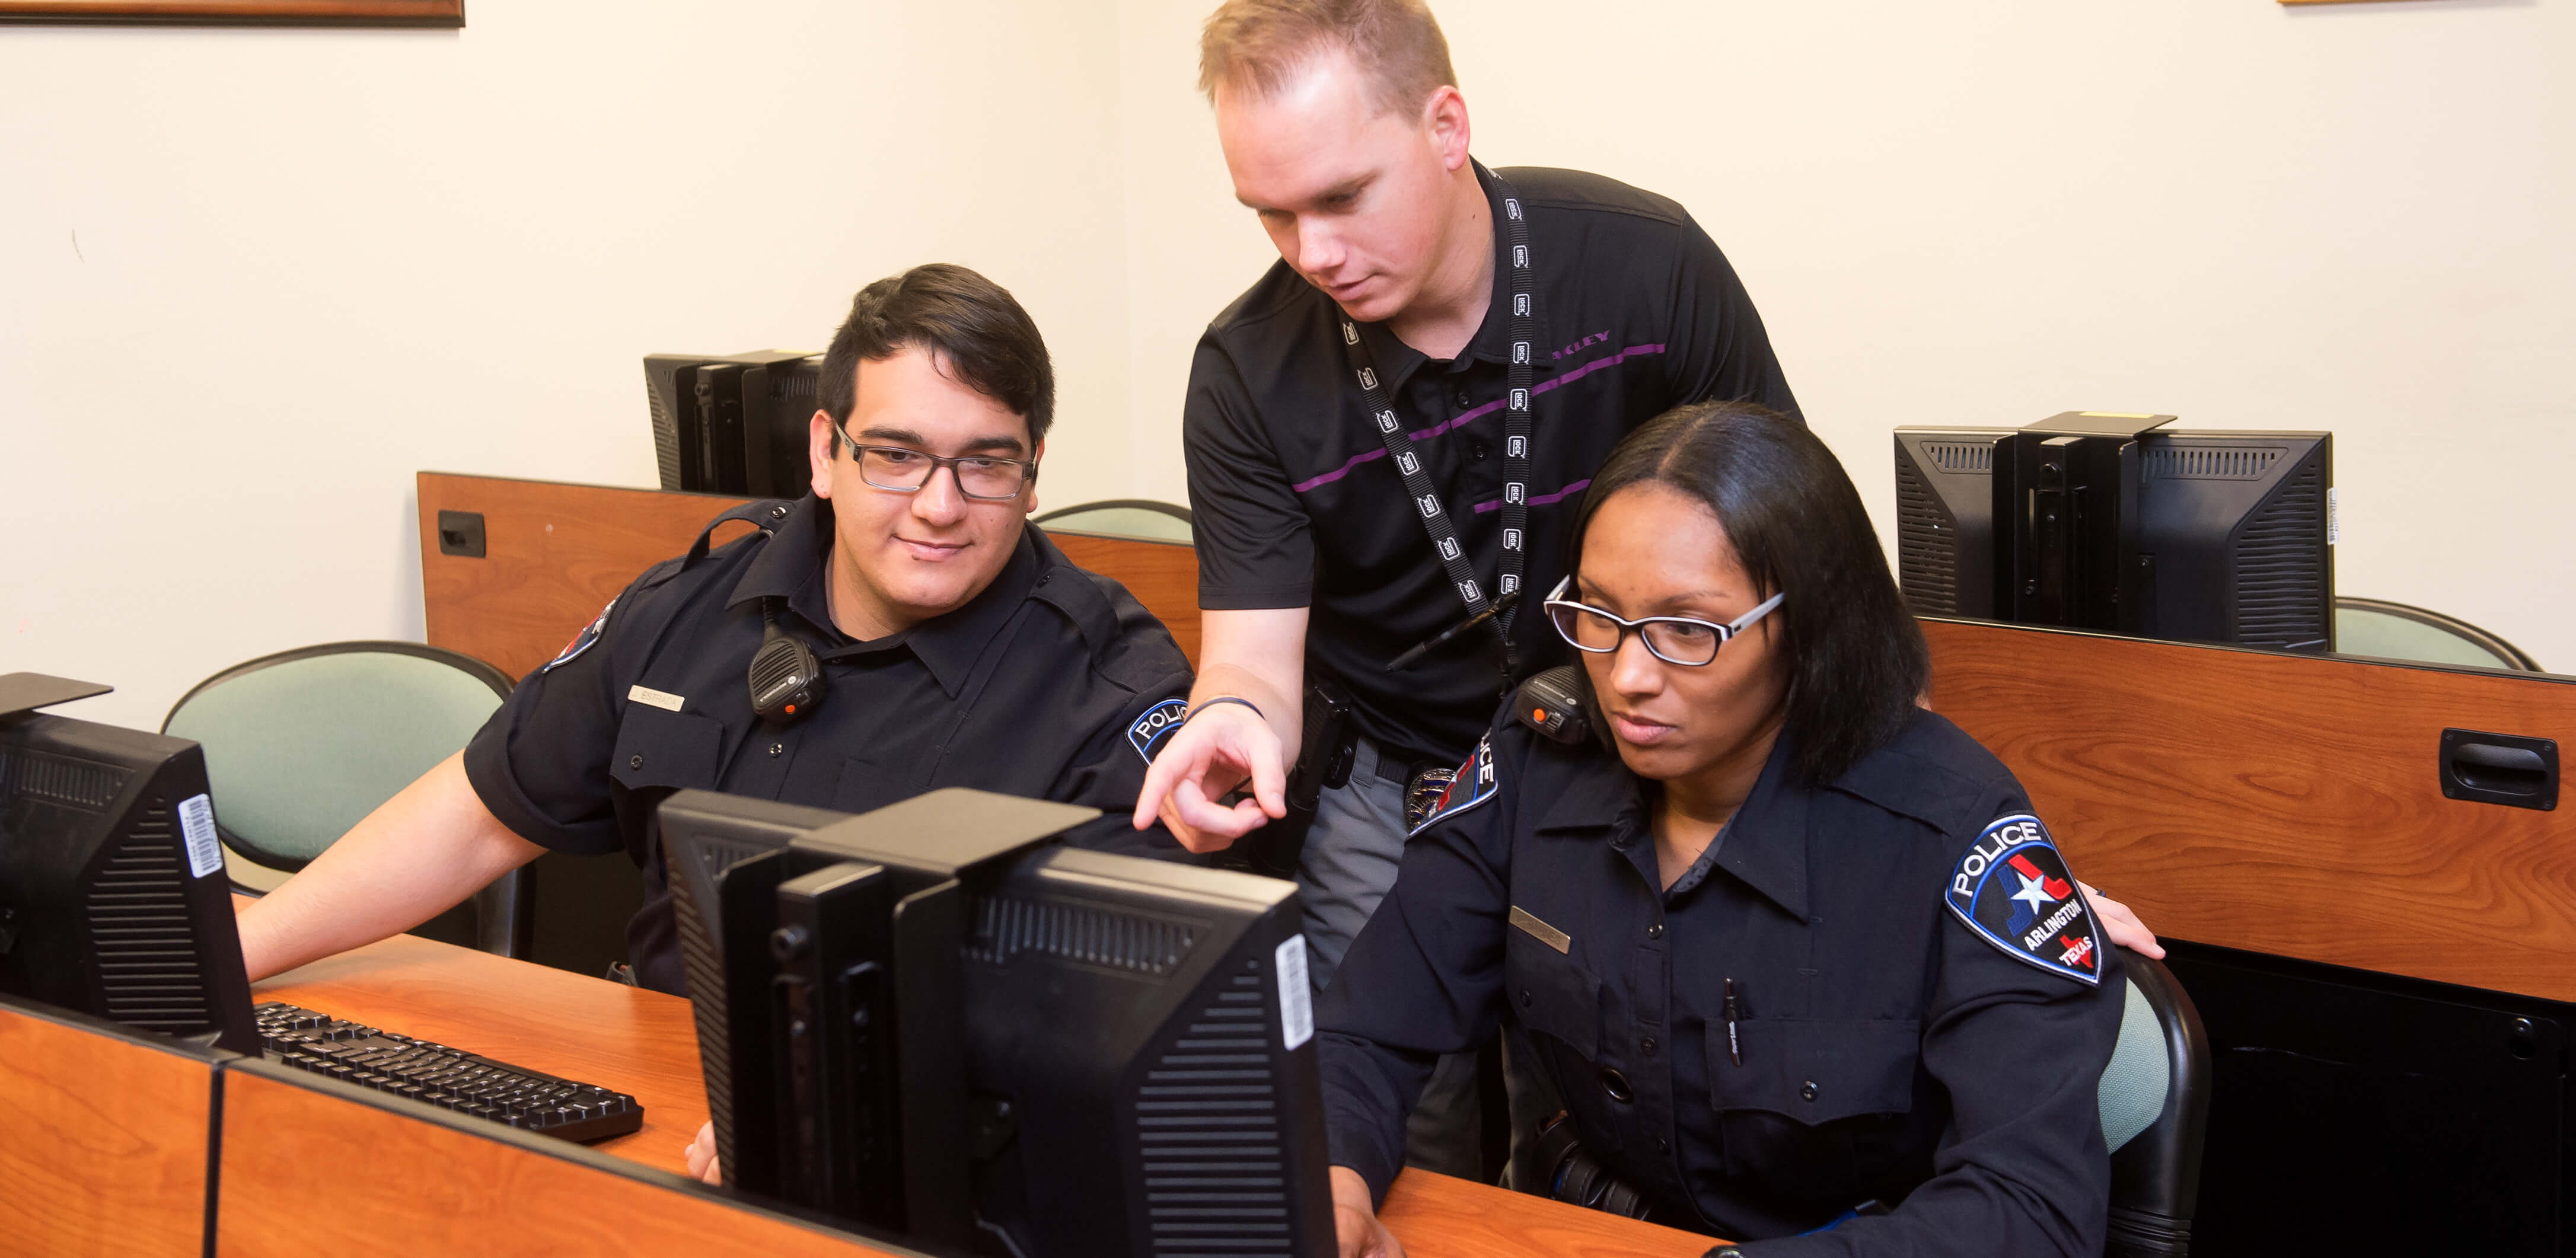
<point>449,13</point>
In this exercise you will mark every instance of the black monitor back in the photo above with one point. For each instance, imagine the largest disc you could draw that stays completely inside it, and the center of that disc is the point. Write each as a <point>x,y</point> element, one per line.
<point>734,423</point>
<point>1139,1067</point>
<point>1151,1023</point>
<point>112,895</point>
<point>2238,528</point>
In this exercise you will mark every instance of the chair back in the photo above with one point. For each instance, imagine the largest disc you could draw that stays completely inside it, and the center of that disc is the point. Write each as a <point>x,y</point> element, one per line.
<point>2155,1110</point>
<point>2398,631</point>
<point>303,744</point>
<point>1140,518</point>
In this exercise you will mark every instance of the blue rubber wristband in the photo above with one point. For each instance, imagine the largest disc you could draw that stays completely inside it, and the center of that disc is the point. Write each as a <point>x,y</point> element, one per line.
<point>1204,704</point>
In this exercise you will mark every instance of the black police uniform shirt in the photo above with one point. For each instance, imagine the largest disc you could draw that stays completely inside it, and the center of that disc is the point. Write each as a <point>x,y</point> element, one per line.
<point>1883,1048</point>
<point>1295,503</point>
<point>1052,683</point>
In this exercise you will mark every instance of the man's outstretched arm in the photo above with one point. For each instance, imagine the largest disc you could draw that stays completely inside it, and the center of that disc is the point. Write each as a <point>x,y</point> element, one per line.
<point>1256,656</point>
<point>423,852</point>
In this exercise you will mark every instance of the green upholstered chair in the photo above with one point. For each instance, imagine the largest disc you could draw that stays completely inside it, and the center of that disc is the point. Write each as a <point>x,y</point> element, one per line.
<point>303,744</point>
<point>2154,1097</point>
<point>1140,518</point>
<point>2397,631</point>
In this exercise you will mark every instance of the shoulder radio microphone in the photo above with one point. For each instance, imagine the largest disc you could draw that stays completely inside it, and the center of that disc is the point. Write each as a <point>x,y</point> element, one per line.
<point>787,681</point>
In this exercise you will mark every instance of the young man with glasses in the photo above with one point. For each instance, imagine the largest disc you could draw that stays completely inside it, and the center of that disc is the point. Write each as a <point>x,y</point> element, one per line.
<point>957,647</point>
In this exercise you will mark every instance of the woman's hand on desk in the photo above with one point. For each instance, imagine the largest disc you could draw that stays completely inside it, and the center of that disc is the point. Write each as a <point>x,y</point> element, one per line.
<point>1355,1221</point>
<point>702,1156</point>
<point>2121,923</point>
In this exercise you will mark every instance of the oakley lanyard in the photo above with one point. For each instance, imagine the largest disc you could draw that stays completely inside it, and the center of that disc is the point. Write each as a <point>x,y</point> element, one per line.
<point>1436,522</point>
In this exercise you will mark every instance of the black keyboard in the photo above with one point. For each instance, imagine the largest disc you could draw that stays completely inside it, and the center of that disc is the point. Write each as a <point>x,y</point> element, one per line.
<point>448,1078</point>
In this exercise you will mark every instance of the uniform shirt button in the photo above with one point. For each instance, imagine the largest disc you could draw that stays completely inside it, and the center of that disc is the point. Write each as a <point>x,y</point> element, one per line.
<point>1662,1145</point>
<point>1647,1046</point>
<point>777,749</point>
<point>778,513</point>
<point>1616,1085</point>
<point>635,762</point>
<point>1526,1000</point>
<point>1460,397</point>
<point>1479,451</point>
<point>1807,1090</point>
<point>1655,931</point>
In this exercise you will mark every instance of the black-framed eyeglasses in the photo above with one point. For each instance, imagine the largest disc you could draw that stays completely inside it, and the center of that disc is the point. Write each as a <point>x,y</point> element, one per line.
<point>903,470</point>
<point>1683,640</point>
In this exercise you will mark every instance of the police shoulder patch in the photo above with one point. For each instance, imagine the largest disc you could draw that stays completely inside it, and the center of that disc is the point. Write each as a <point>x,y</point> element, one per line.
<point>583,640</point>
<point>1147,733</point>
<point>2013,890</point>
<point>1474,783</point>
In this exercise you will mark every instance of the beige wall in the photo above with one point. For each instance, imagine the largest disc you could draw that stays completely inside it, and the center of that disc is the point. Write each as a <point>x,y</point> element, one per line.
<point>311,263</point>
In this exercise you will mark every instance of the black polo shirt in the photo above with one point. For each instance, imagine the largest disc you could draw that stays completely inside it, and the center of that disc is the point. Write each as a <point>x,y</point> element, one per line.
<point>1296,504</point>
<point>1031,689</point>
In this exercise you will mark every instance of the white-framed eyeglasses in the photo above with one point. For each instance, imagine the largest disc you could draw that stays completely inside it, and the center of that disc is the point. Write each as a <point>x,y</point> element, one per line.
<point>1684,640</point>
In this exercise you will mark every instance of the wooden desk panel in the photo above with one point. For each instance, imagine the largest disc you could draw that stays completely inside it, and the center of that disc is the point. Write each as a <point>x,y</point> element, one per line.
<point>2282,804</point>
<point>639,1042</point>
<point>554,554</point>
<point>103,1139</point>
<point>317,1167</point>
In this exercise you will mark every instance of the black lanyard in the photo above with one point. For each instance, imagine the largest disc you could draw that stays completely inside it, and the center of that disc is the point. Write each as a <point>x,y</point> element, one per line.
<point>1522,293</point>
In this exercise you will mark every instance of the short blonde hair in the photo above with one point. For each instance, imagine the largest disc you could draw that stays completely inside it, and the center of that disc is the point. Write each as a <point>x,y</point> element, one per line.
<point>1258,45</point>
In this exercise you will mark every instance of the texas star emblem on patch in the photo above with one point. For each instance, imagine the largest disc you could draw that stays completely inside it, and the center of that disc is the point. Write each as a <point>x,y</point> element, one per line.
<point>2012,888</point>
<point>581,641</point>
<point>1157,724</point>
<point>1474,784</point>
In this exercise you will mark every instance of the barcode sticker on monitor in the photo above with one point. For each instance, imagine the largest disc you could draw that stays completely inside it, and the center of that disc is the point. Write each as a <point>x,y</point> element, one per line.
<point>197,825</point>
<point>1296,998</point>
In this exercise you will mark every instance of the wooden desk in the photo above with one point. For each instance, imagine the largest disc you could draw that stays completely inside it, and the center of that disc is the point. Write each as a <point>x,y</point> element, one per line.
<point>103,1137</point>
<point>316,1165</point>
<point>2281,804</point>
<point>643,1043</point>
<point>639,1042</point>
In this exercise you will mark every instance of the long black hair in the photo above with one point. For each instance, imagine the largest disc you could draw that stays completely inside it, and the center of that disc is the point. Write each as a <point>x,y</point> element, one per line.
<point>1855,658</point>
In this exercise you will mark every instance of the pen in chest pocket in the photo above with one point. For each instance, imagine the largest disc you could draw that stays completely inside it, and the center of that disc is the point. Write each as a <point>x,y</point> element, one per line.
<point>1734,1009</point>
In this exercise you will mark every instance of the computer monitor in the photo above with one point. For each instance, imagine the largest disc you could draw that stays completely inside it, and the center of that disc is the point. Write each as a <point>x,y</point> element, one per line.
<point>734,423</point>
<point>930,1021</point>
<point>113,900</point>
<point>2114,522</point>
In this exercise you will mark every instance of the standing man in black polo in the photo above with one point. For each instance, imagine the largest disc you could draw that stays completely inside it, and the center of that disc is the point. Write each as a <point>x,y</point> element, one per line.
<point>1386,433</point>
<point>1329,548</point>
<point>958,647</point>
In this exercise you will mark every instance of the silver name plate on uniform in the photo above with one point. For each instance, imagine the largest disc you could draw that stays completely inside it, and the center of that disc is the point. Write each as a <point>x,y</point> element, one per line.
<point>658,698</point>
<point>1541,931</point>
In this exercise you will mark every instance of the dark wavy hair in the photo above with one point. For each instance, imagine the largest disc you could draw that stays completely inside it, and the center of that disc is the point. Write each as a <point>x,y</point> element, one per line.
<point>1855,657</point>
<point>973,326</point>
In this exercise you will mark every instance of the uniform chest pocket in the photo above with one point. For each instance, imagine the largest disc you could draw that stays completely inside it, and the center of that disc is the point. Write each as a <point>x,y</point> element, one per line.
<point>660,748</point>
<point>1551,994</point>
<point>1816,1070</point>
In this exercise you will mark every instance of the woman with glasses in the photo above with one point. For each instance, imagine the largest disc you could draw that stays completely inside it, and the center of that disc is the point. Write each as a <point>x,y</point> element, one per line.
<point>1794,954</point>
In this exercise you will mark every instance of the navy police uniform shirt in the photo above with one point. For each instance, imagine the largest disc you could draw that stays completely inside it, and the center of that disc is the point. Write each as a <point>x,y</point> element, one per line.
<point>1296,504</point>
<point>1052,683</point>
<point>1924,1003</point>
